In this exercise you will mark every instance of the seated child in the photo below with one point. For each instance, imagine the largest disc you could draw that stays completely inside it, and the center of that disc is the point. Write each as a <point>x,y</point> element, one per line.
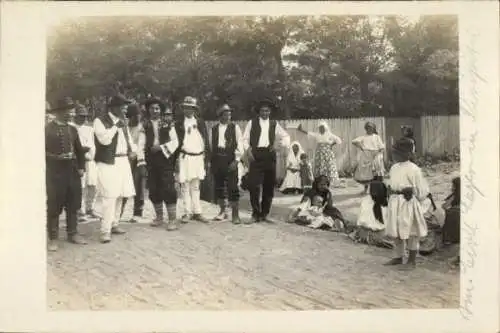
<point>316,204</point>
<point>306,175</point>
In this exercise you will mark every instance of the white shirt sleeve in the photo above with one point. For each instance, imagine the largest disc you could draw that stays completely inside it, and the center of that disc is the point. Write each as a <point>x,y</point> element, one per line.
<point>91,143</point>
<point>104,135</point>
<point>239,143</point>
<point>170,147</point>
<point>335,139</point>
<point>246,136</point>
<point>421,187</point>
<point>283,136</point>
<point>141,147</point>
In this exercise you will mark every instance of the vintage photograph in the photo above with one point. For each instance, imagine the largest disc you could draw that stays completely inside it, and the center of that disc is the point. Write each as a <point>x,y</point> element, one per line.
<point>253,163</point>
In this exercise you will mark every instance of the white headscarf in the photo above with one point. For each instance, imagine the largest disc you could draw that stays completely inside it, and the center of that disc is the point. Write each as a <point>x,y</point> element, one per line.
<point>292,158</point>
<point>327,135</point>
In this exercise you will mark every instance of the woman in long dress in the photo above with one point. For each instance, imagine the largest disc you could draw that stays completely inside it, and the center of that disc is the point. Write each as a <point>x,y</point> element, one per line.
<point>292,182</point>
<point>325,163</point>
<point>371,156</point>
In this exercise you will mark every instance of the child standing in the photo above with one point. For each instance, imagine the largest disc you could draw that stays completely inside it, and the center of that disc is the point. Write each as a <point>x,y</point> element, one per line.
<point>405,217</point>
<point>306,175</point>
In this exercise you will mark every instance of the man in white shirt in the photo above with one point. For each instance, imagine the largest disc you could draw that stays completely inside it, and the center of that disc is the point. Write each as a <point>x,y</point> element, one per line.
<point>192,158</point>
<point>159,146</point>
<point>89,179</point>
<point>227,149</point>
<point>114,148</point>
<point>259,141</point>
<point>138,165</point>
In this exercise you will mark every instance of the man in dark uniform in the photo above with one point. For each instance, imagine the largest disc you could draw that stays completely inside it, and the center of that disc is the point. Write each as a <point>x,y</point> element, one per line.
<point>259,140</point>
<point>65,165</point>
<point>227,148</point>
<point>160,145</point>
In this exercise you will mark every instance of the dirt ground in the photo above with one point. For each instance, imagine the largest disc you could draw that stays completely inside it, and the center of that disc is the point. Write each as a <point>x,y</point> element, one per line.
<point>221,266</point>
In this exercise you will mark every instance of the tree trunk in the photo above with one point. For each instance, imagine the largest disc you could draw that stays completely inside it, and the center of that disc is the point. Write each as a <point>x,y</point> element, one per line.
<point>282,82</point>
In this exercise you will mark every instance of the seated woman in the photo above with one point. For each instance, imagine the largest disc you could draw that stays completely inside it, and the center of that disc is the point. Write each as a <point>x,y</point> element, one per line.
<point>318,198</point>
<point>372,216</point>
<point>292,182</point>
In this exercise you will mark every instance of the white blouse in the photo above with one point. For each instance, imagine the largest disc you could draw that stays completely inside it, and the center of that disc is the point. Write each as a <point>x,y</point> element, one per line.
<point>370,142</point>
<point>329,138</point>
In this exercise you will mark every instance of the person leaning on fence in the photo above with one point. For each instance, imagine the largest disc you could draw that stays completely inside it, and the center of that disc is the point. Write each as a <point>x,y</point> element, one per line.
<point>160,145</point>
<point>65,165</point>
<point>408,188</point>
<point>114,148</point>
<point>258,141</point>
<point>89,180</point>
<point>193,156</point>
<point>138,164</point>
<point>227,149</point>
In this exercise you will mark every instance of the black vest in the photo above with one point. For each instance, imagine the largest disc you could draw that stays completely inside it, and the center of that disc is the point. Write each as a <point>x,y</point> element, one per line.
<point>106,153</point>
<point>255,133</point>
<point>164,137</point>
<point>229,135</point>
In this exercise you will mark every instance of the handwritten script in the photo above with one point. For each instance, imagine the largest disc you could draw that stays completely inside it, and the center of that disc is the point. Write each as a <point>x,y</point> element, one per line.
<point>470,190</point>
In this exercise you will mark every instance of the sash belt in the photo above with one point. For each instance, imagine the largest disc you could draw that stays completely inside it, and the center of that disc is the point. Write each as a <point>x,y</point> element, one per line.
<point>66,156</point>
<point>191,154</point>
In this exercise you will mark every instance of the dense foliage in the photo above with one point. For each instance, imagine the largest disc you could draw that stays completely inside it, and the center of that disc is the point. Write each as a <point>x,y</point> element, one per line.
<point>329,66</point>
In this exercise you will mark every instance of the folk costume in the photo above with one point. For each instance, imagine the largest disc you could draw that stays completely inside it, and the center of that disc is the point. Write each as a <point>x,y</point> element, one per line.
<point>227,149</point>
<point>114,175</point>
<point>408,188</point>
<point>293,181</point>
<point>325,162</point>
<point>65,163</point>
<point>306,174</point>
<point>371,156</point>
<point>192,155</point>
<point>138,164</point>
<point>160,144</point>
<point>259,139</point>
<point>89,179</point>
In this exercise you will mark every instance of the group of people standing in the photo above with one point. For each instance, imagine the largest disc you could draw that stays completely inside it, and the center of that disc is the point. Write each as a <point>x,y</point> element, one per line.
<point>300,173</point>
<point>108,161</point>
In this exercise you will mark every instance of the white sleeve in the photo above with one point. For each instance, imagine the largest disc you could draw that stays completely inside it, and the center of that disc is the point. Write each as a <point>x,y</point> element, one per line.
<point>421,186</point>
<point>239,143</point>
<point>246,136</point>
<point>283,136</point>
<point>171,146</point>
<point>104,135</point>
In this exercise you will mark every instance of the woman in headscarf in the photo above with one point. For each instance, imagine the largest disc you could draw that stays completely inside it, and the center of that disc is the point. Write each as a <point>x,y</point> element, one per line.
<point>325,163</point>
<point>371,157</point>
<point>292,182</point>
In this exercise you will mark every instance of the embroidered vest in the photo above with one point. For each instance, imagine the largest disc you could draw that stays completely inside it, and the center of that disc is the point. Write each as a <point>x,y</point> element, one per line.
<point>163,137</point>
<point>255,132</point>
<point>106,153</point>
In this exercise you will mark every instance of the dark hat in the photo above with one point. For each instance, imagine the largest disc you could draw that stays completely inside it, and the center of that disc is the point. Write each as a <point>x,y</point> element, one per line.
<point>190,102</point>
<point>64,104</point>
<point>403,146</point>
<point>133,110</point>
<point>269,102</point>
<point>154,100</point>
<point>118,100</point>
<point>81,110</point>
<point>223,109</point>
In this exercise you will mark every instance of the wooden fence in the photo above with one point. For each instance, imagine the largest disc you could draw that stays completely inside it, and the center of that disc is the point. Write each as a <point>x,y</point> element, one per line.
<point>439,134</point>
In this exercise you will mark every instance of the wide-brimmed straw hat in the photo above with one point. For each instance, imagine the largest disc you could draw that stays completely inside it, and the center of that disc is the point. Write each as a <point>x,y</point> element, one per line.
<point>190,102</point>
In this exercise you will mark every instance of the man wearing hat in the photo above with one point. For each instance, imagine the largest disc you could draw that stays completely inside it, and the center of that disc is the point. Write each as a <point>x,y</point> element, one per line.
<point>138,165</point>
<point>259,141</point>
<point>114,148</point>
<point>192,158</point>
<point>227,150</point>
<point>65,165</point>
<point>89,180</point>
<point>160,145</point>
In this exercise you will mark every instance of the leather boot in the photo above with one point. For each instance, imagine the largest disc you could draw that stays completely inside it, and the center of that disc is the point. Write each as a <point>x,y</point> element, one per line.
<point>235,212</point>
<point>222,213</point>
<point>158,221</point>
<point>173,223</point>
<point>412,261</point>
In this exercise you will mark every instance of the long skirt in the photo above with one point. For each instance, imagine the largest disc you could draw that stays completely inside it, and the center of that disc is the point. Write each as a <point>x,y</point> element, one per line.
<point>325,163</point>
<point>370,164</point>
<point>405,218</point>
<point>292,181</point>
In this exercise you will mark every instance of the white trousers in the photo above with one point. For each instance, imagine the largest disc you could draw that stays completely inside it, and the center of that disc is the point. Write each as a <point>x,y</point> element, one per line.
<point>412,242</point>
<point>110,212</point>
<point>191,196</point>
